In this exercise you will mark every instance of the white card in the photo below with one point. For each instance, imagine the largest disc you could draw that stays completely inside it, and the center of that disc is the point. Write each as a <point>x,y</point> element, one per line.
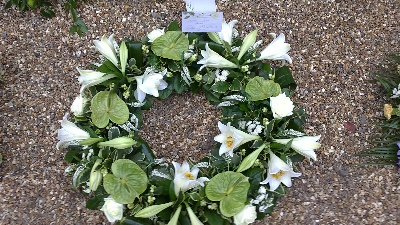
<point>202,22</point>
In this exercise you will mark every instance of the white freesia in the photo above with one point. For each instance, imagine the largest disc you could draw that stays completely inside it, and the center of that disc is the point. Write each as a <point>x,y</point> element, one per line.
<point>276,50</point>
<point>213,59</point>
<point>150,83</point>
<point>90,78</point>
<point>246,216</point>
<point>106,48</point>
<point>278,172</point>
<point>185,178</point>
<point>70,133</point>
<point>227,30</point>
<point>231,138</point>
<point>78,105</point>
<point>155,34</point>
<point>281,106</point>
<point>112,209</point>
<point>303,145</point>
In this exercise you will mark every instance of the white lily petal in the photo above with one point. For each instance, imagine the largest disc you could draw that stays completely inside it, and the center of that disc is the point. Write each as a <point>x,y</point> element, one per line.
<point>106,48</point>
<point>276,50</point>
<point>213,59</point>
<point>69,132</point>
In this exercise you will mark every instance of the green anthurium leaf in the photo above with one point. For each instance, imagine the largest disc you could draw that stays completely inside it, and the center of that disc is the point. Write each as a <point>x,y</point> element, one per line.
<point>230,188</point>
<point>118,110</point>
<point>152,210</point>
<point>230,207</point>
<point>108,106</point>
<point>126,182</point>
<point>171,45</point>
<point>259,89</point>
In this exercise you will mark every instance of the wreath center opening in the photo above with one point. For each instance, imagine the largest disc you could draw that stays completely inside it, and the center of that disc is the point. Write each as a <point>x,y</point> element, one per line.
<point>180,127</point>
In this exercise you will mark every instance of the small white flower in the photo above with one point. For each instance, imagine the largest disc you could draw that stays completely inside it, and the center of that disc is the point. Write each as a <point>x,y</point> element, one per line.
<point>112,209</point>
<point>155,34</point>
<point>247,216</point>
<point>150,83</point>
<point>106,47</point>
<point>281,106</point>
<point>225,73</point>
<point>276,50</point>
<point>70,133</point>
<point>90,78</point>
<point>303,145</point>
<point>213,59</point>
<point>278,172</point>
<point>78,105</point>
<point>231,138</point>
<point>262,190</point>
<point>396,92</point>
<point>185,178</point>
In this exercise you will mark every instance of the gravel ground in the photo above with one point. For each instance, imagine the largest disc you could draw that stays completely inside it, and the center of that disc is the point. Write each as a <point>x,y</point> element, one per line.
<point>335,45</point>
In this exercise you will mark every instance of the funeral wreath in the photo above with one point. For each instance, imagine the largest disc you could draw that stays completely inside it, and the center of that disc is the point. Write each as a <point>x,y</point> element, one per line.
<point>239,181</point>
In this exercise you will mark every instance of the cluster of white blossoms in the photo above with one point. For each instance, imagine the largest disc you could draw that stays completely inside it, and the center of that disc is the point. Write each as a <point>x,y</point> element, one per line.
<point>396,92</point>
<point>262,200</point>
<point>131,125</point>
<point>221,75</point>
<point>253,127</point>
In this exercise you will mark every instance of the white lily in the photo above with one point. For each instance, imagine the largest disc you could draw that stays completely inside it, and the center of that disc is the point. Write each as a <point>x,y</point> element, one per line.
<point>279,172</point>
<point>70,133</point>
<point>78,105</point>
<point>90,78</point>
<point>106,48</point>
<point>303,145</point>
<point>155,34</point>
<point>231,138</point>
<point>213,59</point>
<point>227,30</point>
<point>276,50</point>
<point>150,83</point>
<point>185,178</point>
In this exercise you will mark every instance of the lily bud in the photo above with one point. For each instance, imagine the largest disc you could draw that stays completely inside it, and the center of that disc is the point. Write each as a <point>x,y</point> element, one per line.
<point>118,143</point>
<point>95,176</point>
<point>248,41</point>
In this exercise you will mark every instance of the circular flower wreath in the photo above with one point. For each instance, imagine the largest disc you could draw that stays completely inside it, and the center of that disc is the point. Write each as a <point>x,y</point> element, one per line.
<point>240,179</point>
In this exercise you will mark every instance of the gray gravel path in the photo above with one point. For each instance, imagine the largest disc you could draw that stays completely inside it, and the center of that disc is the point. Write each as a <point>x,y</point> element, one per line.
<point>335,44</point>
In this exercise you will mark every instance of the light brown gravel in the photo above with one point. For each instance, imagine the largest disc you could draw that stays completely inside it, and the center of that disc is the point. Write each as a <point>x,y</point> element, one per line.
<point>335,44</point>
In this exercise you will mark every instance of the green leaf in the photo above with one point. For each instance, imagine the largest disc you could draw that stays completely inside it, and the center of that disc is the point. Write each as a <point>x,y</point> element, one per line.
<point>126,182</point>
<point>236,85</point>
<point>47,13</point>
<point>213,218</point>
<point>259,89</point>
<point>95,202</point>
<point>230,188</point>
<point>9,4</point>
<point>107,106</point>
<point>220,87</point>
<point>174,26</point>
<point>135,51</point>
<point>284,77</point>
<point>152,210</point>
<point>171,45</point>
